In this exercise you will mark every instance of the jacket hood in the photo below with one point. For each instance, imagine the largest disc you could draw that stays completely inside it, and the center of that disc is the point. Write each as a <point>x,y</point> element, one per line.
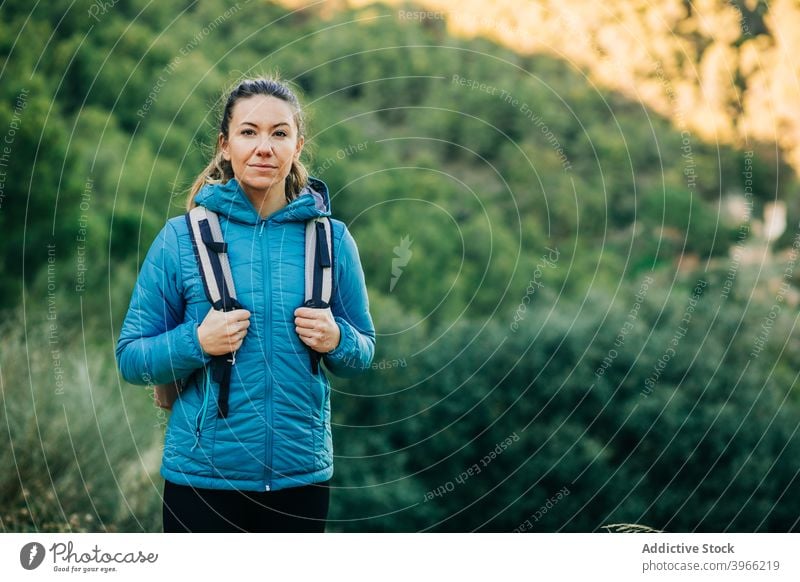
<point>231,201</point>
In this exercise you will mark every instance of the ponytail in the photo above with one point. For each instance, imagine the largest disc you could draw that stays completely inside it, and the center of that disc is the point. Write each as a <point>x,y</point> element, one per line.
<point>218,171</point>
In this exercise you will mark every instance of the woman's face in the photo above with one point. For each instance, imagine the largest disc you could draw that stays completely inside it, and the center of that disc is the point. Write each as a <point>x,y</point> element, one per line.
<point>262,143</point>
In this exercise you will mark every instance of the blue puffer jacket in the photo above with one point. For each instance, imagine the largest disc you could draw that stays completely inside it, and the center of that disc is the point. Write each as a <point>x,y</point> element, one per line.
<point>277,433</point>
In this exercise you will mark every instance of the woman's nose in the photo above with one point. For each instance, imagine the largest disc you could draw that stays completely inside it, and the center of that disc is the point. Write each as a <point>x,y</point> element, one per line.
<point>264,146</point>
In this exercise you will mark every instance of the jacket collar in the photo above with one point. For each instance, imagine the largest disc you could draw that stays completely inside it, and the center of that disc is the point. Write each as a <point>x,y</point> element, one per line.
<point>229,200</point>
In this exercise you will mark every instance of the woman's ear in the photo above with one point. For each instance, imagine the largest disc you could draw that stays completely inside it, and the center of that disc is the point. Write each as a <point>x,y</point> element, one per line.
<point>299,148</point>
<point>222,146</point>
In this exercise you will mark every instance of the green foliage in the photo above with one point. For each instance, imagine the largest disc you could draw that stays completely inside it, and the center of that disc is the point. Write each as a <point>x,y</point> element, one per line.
<point>82,454</point>
<point>673,456</point>
<point>684,222</point>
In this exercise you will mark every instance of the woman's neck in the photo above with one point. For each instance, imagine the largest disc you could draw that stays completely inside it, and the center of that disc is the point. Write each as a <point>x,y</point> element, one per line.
<point>267,201</point>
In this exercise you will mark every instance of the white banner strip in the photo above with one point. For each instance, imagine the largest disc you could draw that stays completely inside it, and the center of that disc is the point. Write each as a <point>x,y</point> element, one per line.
<point>400,557</point>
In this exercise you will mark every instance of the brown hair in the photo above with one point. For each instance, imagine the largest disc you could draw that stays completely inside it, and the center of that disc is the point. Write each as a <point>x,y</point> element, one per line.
<point>219,170</point>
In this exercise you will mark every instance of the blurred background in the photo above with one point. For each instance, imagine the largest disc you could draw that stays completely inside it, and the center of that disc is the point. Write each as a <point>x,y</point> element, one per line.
<point>579,223</point>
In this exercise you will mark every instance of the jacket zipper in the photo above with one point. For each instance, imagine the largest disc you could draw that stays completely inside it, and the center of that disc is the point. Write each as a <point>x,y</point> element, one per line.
<point>200,419</point>
<point>268,399</point>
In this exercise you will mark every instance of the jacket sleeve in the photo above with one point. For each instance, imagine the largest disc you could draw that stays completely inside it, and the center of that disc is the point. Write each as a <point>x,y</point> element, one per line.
<point>350,308</point>
<point>155,346</point>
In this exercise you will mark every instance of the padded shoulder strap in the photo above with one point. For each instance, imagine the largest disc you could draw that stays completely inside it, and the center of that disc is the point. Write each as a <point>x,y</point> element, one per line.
<point>211,252</point>
<point>319,271</point>
<point>319,262</point>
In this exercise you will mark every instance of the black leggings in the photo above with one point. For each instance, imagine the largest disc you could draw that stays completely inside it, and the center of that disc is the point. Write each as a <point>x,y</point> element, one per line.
<point>295,509</point>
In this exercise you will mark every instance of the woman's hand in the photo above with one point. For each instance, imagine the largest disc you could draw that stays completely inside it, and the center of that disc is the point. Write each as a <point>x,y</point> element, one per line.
<point>223,332</point>
<point>317,328</point>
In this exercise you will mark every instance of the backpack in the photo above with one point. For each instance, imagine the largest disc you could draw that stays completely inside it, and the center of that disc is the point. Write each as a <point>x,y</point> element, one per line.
<point>211,252</point>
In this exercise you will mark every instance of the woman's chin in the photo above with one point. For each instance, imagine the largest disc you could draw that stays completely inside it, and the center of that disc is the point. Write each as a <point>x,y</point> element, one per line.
<point>261,182</point>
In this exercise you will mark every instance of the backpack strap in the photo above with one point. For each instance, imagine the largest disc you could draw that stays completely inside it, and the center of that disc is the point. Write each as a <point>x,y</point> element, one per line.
<point>212,258</point>
<point>211,252</point>
<point>319,270</point>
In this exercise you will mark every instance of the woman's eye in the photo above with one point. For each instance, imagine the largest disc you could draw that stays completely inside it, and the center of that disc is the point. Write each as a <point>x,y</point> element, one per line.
<point>248,132</point>
<point>280,133</point>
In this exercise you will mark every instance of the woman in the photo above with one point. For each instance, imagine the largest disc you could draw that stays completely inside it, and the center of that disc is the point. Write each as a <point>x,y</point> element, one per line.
<point>266,465</point>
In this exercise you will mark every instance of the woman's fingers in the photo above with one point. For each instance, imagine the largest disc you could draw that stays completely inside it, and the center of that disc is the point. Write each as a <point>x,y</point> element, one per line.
<point>238,328</point>
<point>316,327</point>
<point>236,314</point>
<point>222,332</point>
<point>309,334</point>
